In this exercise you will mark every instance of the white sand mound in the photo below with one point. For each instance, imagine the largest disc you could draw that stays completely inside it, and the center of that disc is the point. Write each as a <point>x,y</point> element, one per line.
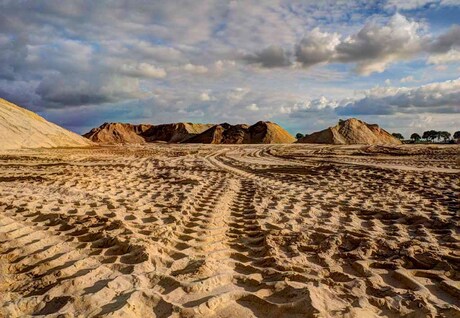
<point>21,128</point>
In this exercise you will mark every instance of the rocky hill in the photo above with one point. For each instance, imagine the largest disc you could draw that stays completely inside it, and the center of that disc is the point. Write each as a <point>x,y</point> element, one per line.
<point>349,132</point>
<point>21,128</point>
<point>259,133</point>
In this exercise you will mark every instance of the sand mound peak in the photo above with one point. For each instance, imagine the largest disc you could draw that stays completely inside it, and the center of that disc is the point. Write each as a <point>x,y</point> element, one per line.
<point>259,133</point>
<point>352,131</point>
<point>21,128</point>
<point>266,132</point>
<point>117,133</point>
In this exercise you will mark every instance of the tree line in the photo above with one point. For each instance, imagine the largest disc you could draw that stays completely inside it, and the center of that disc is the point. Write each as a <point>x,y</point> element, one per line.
<point>430,136</point>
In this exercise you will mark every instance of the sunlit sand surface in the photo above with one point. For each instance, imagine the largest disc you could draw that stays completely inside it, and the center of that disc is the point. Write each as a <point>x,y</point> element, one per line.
<point>230,231</point>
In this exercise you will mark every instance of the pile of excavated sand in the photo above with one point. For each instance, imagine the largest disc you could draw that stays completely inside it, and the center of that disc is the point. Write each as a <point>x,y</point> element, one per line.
<point>259,133</point>
<point>21,128</point>
<point>265,132</point>
<point>351,131</point>
<point>121,133</point>
<point>117,133</point>
<point>176,132</point>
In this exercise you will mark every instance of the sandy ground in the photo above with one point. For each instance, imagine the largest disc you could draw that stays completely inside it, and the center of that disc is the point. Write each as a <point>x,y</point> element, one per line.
<point>230,231</point>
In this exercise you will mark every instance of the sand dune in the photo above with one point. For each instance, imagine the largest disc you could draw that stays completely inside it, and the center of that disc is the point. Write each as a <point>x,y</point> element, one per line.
<point>352,132</point>
<point>230,231</point>
<point>20,128</point>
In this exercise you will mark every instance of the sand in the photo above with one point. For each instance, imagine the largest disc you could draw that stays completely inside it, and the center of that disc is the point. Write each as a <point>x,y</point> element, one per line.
<point>262,132</point>
<point>230,231</point>
<point>352,131</point>
<point>123,133</point>
<point>21,128</point>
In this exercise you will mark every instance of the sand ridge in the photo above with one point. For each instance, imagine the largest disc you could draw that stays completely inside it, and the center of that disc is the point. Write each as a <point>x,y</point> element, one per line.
<point>230,230</point>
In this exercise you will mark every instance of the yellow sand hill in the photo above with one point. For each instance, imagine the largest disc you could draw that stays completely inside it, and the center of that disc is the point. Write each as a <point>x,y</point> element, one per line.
<point>21,128</point>
<point>351,131</point>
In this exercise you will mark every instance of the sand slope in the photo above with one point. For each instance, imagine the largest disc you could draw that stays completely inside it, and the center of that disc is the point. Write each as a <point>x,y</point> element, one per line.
<point>230,231</point>
<point>351,131</point>
<point>259,133</point>
<point>21,128</point>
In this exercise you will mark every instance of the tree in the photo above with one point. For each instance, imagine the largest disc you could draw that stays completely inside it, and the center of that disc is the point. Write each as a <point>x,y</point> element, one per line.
<point>430,135</point>
<point>398,135</point>
<point>438,135</point>
<point>444,135</point>
<point>457,135</point>
<point>299,136</point>
<point>415,137</point>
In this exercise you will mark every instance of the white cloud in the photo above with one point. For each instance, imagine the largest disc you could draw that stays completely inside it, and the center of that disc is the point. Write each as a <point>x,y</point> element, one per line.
<point>407,79</point>
<point>441,68</point>
<point>317,47</point>
<point>309,106</point>
<point>442,97</point>
<point>143,70</point>
<point>196,69</point>
<point>237,94</point>
<point>253,107</point>
<point>146,50</point>
<point>450,3</point>
<point>372,48</point>
<point>205,97</point>
<point>416,4</point>
<point>408,4</point>
<point>451,56</point>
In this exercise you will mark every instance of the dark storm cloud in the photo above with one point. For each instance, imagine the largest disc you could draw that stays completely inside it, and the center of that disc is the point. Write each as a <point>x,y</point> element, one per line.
<point>272,56</point>
<point>446,41</point>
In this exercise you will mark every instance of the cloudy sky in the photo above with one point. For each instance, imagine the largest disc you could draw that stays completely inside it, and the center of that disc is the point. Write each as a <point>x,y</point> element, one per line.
<point>302,64</point>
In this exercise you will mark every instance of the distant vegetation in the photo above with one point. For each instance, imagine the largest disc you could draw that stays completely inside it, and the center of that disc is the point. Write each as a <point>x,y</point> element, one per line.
<point>299,136</point>
<point>431,136</point>
<point>398,136</point>
<point>415,137</point>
